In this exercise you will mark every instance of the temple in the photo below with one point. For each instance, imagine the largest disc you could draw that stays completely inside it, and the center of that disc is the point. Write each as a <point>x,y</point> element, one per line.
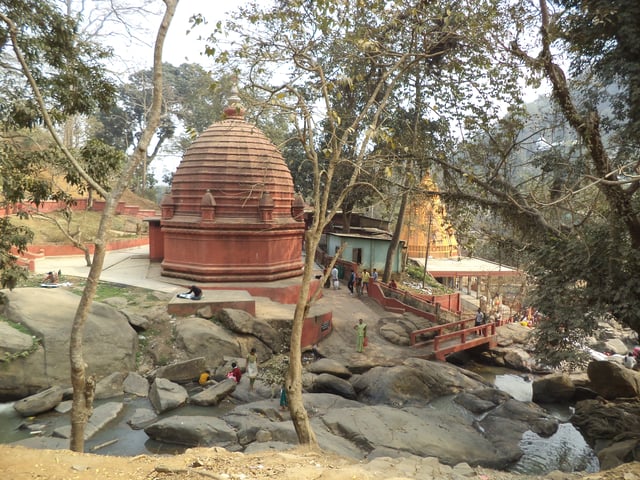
<point>232,214</point>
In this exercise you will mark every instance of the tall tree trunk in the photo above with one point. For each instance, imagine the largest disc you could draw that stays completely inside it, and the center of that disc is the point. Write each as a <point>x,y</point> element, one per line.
<point>395,239</point>
<point>299,416</point>
<point>83,387</point>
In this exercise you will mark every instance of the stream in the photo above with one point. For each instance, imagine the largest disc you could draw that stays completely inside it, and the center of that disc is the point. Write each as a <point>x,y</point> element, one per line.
<point>566,450</point>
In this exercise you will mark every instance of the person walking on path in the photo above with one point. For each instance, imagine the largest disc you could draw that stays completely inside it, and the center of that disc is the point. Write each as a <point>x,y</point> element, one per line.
<point>374,275</point>
<point>365,281</point>
<point>351,282</point>
<point>252,368</point>
<point>334,278</point>
<point>361,330</point>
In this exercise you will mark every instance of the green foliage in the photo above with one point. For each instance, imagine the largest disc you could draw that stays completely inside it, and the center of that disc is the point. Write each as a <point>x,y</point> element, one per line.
<point>68,69</point>
<point>579,280</point>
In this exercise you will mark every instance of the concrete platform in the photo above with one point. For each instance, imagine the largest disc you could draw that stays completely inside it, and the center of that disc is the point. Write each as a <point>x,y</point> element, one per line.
<point>215,300</point>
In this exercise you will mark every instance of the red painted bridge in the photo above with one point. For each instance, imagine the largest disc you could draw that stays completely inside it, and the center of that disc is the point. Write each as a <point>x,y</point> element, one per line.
<point>442,340</point>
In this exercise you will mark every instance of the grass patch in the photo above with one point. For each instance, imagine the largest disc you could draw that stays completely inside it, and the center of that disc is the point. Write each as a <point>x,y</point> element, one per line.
<point>35,342</point>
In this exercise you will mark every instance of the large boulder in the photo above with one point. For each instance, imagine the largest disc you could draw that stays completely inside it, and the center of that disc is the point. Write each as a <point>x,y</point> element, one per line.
<point>182,372</point>
<point>40,402</point>
<point>421,431</point>
<point>110,343</point>
<point>513,333</point>
<point>214,394</point>
<point>554,388</point>
<point>327,365</point>
<point>602,421</point>
<point>612,380</point>
<point>416,381</point>
<point>203,338</point>
<point>110,386</point>
<point>327,383</point>
<point>239,321</point>
<point>166,395</point>
<point>193,431</point>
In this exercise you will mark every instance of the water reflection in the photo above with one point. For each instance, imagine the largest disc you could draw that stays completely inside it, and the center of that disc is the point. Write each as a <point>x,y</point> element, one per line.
<point>566,450</point>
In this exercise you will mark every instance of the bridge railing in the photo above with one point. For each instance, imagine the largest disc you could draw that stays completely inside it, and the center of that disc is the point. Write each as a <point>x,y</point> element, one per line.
<point>464,339</point>
<point>438,330</point>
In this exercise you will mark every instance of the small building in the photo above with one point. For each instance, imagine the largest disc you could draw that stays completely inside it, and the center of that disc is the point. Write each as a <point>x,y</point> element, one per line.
<point>367,247</point>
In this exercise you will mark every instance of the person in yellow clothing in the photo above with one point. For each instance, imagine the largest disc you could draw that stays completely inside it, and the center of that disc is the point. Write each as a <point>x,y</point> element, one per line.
<point>205,378</point>
<point>366,276</point>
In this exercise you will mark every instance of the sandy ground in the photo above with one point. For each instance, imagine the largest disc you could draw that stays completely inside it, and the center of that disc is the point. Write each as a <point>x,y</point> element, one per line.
<point>19,463</point>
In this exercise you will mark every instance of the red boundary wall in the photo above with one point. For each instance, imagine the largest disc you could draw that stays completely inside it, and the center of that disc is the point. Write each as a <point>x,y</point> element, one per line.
<point>35,252</point>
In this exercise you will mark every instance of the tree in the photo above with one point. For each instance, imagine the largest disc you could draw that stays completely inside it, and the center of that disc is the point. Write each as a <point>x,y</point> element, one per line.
<point>83,387</point>
<point>314,47</point>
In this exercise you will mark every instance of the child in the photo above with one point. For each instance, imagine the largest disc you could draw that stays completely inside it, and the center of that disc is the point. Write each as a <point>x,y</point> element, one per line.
<point>235,373</point>
<point>205,378</point>
<point>283,398</point>
<point>252,367</point>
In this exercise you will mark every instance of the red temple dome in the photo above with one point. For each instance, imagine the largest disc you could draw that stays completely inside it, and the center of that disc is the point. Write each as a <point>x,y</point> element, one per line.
<point>231,217</point>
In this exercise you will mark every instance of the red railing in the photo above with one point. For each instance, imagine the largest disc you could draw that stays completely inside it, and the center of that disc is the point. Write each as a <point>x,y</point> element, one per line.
<point>457,340</point>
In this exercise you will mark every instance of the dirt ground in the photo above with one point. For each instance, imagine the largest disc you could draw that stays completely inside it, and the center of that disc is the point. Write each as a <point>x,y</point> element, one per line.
<point>18,463</point>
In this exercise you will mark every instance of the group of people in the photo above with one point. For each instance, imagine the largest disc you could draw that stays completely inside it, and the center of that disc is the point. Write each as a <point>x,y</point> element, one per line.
<point>251,372</point>
<point>359,282</point>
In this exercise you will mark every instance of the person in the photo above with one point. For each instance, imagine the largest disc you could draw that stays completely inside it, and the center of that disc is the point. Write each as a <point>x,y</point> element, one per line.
<point>284,403</point>
<point>393,284</point>
<point>365,281</point>
<point>361,330</point>
<point>374,275</point>
<point>334,278</point>
<point>252,368</point>
<point>629,361</point>
<point>359,283</point>
<point>351,282</point>
<point>194,293</point>
<point>205,378</point>
<point>479,318</point>
<point>235,373</point>
<point>52,277</point>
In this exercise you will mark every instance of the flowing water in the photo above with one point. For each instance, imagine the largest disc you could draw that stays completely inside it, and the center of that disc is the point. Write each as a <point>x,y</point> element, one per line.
<point>566,450</point>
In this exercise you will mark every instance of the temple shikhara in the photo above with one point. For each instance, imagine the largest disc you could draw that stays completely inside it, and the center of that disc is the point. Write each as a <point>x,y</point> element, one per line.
<point>232,214</point>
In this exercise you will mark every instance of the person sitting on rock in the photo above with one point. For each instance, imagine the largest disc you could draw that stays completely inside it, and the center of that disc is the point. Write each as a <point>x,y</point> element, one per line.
<point>52,277</point>
<point>235,373</point>
<point>205,378</point>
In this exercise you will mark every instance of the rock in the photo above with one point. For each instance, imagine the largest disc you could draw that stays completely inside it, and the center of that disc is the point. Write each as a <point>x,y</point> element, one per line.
<point>515,358</point>
<point>110,386</point>
<point>395,333</point>
<point>142,418</point>
<point>202,338</point>
<point>13,340</point>
<point>116,302</point>
<point>601,421</point>
<point>327,365</point>
<point>624,451</point>
<point>109,343</point>
<point>416,381</point>
<point>138,322</point>
<point>182,372</point>
<point>239,321</point>
<point>193,431</point>
<point>554,388</point>
<point>215,394</point>
<point>611,345</point>
<point>166,395</point>
<point>64,406</point>
<point>39,403</point>
<point>481,401</point>
<point>506,424</point>
<point>136,384</point>
<point>513,333</point>
<point>102,415</point>
<point>422,431</point>
<point>327,383</point>
<point>612,380</point>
